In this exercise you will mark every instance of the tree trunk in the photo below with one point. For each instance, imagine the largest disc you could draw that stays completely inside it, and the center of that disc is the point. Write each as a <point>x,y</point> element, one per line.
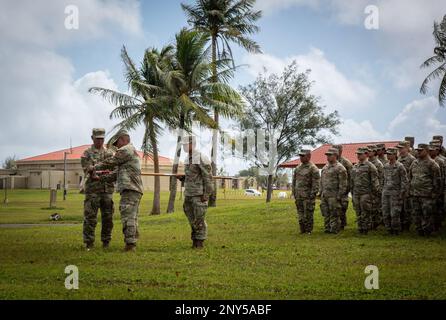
<point>213,196</point>
<point>156,209</point>
<point>173,180</point>
<point>269,190</point>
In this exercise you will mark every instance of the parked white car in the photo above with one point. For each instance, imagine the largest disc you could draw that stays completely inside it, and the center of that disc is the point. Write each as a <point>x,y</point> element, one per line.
<point>252,193</point>
<point>282,195</point>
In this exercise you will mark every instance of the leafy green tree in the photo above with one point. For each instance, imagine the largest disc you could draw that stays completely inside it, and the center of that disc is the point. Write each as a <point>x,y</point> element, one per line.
<point>224,21</point>
<point>194,93</point>
<point>290,115</point>
<point>147,105</point>
<point>10,163</point>
<point>439,59</point>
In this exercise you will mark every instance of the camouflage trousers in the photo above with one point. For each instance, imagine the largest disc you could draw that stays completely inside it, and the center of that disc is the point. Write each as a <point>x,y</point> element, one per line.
<point>195,211</point>
<point>377,214</point>
<point>438,213</point>
<point>129,207</point>
<point>406,213</point>
<point>331,210</point>
<point>423,214</point>
<point>363,208</point>
<point>344,208</point>
<point>305,213</point>
<point>92,203</point>
<point>392,206</point>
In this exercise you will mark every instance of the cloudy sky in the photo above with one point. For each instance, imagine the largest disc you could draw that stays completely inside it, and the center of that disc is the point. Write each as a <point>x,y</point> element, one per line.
<point>372,77</point>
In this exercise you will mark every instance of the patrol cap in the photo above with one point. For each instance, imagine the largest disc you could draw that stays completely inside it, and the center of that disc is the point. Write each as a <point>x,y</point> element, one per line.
<point>119,134</point>
<point>380,146</point>
<point>410,139</point>
<point>436,143</point>
<point>337,146</point>
<point>438,138</point>
<point>403,144</point>
<point>422,146</point>
<point>434,147</point>
<point>362,150</point>
<point>392,151</point>
<point>372,147</point>
<point>304,152</point>
<point>332,151</point>
<point>98,133</point>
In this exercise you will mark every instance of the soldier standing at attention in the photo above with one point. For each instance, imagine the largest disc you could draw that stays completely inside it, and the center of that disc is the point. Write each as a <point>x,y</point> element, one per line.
<point>365,185</point>
<point>98,194</point>
<point>394,191</point>
<point>381,153</point>
<point>443,150</point>
<point>411,141</point>
<point>376,197</point>
<point>128,176</point>
<point>406,159</point>
<point>197,188</point>
<point>424,176</point>
<point>306,180</point>
<point>333,188</point>
<point>434,152</point>
<point>344,203</point>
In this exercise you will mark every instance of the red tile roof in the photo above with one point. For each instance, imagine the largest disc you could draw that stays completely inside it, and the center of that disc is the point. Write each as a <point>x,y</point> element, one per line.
<point>76,153</point>
<point>319,158</point>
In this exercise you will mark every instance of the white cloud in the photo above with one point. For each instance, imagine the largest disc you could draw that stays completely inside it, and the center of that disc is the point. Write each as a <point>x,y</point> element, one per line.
<point>43,106</point>
<point>336,89</point>
<point>353,131</point>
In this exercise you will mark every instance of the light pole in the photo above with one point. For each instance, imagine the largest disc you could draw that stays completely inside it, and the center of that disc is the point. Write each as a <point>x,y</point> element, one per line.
<point>65,175</point>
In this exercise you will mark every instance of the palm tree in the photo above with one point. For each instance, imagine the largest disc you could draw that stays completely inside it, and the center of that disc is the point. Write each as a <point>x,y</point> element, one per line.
<point>224,21</point>
<point>148,104</point>
<point>193,91</point>
<point>439,58</point>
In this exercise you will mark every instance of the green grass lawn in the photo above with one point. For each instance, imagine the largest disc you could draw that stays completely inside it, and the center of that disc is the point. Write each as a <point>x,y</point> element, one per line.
<point>254,251</point>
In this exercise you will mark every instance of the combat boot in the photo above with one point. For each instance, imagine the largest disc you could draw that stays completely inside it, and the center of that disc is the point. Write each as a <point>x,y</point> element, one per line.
<point>89,245</point>
<point>105,245</point>
<point>130,247</point>
<point>199,244</point>
<point>302,228</point>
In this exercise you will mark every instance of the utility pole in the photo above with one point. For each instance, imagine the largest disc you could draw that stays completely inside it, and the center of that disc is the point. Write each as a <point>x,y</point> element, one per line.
<point>5,183</point>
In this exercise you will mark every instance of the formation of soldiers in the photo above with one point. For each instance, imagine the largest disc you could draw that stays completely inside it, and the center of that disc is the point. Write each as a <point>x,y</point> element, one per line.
<point>104,167</point>
<point>395,187</point>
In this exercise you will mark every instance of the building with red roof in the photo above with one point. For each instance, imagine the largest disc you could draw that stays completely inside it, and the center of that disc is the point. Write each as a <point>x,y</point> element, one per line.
<point>47,170</point>
<point>319,158</point>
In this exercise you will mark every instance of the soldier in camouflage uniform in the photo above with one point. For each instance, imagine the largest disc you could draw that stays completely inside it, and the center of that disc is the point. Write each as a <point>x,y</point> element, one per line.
<point>198,186</point>
<point>364,186</point>
<point>98,194</point>
<point>381,153</point>
<point>443,150</point>
<point>411,141</point>
<point>406,159</point>
<point>434,152</point>
<point>129,184</point>
<point>306,180</point>
<point>376,197</point>
<point>394,191</point>
<point>344,203</point>
<point>424,176</point>
<point>333,189</point>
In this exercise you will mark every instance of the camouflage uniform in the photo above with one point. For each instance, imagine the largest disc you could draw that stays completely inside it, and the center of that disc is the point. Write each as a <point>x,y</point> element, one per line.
<point>333,188</point>
<point>411,141</point>
<point>365,185</point>
<point>98,194</point>
<point>439,210</point>
<point>129,185</point>
<point>425,184</point>
<point>198,183</point>
<point>382,157</point>
<point>442,149</point>
<point>377,197</point>
<point>306,180</point>
<point>406,161</point>
<point>394,190</point>
<point>344,202</point>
